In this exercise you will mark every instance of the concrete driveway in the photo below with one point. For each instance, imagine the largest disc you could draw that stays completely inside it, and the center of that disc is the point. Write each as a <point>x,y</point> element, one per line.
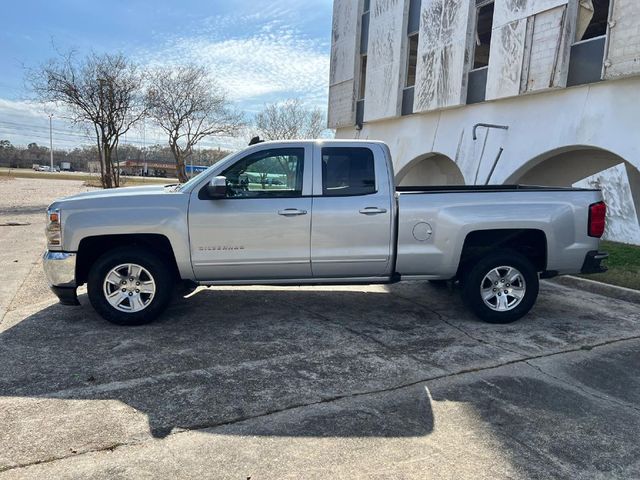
<point>335,382</point>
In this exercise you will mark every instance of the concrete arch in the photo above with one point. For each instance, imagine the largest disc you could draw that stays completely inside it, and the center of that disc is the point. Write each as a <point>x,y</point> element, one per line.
<point>565,166</point>
<point>618,178</point>
<point>430,169</point>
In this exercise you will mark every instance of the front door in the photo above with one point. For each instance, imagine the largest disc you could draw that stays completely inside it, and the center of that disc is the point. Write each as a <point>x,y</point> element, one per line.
<point>262,229</point>
<point>351,231</point>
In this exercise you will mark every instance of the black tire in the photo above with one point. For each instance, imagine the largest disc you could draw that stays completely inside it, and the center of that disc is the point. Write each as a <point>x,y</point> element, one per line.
<point>473,282</point>
<point>156,267</point>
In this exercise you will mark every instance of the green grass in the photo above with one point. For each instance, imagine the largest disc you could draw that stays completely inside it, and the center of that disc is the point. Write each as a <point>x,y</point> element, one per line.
<point>91,179</point>
<point>623,263</point>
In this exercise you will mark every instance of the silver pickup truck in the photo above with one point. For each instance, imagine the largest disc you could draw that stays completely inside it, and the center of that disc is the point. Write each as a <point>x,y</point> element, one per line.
<point>317,212</point>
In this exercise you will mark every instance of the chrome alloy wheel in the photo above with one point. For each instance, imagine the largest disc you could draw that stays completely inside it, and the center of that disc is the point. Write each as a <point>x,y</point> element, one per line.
<point>503,288</point>
<point>129,288</point>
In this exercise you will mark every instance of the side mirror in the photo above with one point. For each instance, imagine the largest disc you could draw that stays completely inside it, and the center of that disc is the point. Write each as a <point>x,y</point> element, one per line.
<point>217,188</point>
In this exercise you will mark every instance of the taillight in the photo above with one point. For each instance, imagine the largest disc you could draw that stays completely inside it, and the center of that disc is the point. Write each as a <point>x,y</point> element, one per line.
<point>597,219</point>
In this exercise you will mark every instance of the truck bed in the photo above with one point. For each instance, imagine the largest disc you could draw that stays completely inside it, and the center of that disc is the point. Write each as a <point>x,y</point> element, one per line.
<point>487,189</point>
<point>434,221</point>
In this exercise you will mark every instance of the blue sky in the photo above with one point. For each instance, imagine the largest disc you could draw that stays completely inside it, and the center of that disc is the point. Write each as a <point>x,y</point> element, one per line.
<point>258,51</point>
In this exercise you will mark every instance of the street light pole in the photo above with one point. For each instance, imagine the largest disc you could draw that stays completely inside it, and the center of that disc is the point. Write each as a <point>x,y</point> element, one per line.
<point>51,140</point>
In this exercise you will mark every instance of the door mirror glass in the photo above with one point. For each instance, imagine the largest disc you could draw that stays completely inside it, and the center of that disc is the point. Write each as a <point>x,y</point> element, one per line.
<point>217,187</point>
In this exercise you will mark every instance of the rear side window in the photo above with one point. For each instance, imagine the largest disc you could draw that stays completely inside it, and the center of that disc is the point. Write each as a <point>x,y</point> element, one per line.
<point>347,172</point>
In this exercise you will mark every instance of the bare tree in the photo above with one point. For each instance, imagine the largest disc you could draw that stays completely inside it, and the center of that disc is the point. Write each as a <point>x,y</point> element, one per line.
<point>189,106</point>
<point>103,92</point>
<point>289,120</point>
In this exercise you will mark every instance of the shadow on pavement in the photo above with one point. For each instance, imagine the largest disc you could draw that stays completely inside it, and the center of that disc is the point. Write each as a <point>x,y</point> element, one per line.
<point>227,355</point>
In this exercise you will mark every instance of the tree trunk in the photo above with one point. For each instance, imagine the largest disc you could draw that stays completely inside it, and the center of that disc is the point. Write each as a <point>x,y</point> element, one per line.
<point>103,167</point>
<point>181,169</point>
<point>107,181</point>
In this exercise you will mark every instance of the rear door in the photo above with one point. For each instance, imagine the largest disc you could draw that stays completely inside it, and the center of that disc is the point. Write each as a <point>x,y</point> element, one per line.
<point>351,228</point>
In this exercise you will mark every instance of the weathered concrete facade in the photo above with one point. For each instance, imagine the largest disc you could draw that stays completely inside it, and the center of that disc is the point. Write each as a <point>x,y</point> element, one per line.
<point>442,53</point>
<point>565,118</point>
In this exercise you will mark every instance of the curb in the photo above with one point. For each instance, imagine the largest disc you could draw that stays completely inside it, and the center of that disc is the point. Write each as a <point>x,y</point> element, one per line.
<point>591,286</point>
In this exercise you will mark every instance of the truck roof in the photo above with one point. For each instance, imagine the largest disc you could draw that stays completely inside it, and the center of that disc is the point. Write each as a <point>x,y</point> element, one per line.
<point>322,141</point>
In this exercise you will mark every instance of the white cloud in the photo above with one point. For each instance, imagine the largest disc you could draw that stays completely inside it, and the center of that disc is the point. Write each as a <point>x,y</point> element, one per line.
<point>257,58</point>
<point>259,55</point>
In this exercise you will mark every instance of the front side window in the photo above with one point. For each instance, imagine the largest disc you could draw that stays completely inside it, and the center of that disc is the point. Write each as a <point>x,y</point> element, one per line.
<point>347,171</point>
<point>270,173</point>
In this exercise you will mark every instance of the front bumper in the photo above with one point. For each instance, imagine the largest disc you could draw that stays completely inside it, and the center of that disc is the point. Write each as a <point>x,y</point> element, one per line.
<point>60,270</point>
<point>593,262</point>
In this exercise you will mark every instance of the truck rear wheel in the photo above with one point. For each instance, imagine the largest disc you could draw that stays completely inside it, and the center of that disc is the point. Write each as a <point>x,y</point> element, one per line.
<point>501,288</point>
<point>130,286</point>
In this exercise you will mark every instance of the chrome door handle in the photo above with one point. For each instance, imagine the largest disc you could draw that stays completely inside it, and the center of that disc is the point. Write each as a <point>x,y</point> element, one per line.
<point>373,211</point>
<point>291,212</point>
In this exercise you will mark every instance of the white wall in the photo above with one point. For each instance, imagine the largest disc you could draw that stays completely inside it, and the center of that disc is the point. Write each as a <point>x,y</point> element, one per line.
<point>601,115</point>
<point>530,52</point>
<point>430,170</point>
<point>621,209</point>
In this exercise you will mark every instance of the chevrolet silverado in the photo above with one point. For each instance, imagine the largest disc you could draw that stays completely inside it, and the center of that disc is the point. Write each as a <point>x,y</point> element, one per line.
<point>317,212</point>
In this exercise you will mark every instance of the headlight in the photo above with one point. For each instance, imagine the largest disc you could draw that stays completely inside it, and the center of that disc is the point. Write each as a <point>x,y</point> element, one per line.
<point>54,228</point>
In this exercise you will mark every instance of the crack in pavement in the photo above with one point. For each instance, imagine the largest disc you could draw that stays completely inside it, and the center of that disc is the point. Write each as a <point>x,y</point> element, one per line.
<point>335,398</point>
<point>541,454</point>
<point>366,336</point>
<point>44,461</point>
<point>14,296</point>
<point>586,390</point>
<point>443,318</point>
<point>351,330</point>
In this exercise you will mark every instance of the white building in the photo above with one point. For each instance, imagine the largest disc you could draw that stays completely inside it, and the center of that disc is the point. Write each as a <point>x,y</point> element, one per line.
<point>496,91</point>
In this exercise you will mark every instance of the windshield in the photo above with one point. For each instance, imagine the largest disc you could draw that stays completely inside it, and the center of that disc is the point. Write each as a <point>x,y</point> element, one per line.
<point>185,186</point>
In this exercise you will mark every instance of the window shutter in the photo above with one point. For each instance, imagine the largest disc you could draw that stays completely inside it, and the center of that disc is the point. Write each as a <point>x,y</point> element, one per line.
<point>529,47</point>
<point>445,37</point>
<point>622,58</point>
<point>385,55</point>
<point>344,43</point>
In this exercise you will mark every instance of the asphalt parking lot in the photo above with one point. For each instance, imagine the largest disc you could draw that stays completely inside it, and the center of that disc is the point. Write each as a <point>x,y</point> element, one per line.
<point>331,382</point>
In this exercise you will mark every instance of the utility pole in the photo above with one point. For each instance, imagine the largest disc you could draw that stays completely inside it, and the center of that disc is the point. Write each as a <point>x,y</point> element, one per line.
<point>51,140</point>
<point>145,167</point>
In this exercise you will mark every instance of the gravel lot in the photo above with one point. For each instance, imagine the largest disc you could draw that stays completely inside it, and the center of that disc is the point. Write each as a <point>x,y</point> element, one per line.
<point>23,203</point>
<point>331,382</point>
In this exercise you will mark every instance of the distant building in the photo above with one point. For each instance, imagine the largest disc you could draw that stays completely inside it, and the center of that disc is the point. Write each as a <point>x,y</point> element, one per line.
<point>149,169</point>
<point>496,91</point>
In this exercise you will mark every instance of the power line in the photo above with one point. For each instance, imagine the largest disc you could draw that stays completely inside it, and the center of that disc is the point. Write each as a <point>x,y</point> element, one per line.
<point>41,132</point>
<point>35,129</point>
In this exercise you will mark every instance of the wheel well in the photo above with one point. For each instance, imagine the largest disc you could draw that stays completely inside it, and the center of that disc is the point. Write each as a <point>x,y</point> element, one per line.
<point>92,248</point>
<point>528,242</point>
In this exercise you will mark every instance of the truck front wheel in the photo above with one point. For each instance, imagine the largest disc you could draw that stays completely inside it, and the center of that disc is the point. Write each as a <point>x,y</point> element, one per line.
<point>129,286</point>
<point>501,288</point>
